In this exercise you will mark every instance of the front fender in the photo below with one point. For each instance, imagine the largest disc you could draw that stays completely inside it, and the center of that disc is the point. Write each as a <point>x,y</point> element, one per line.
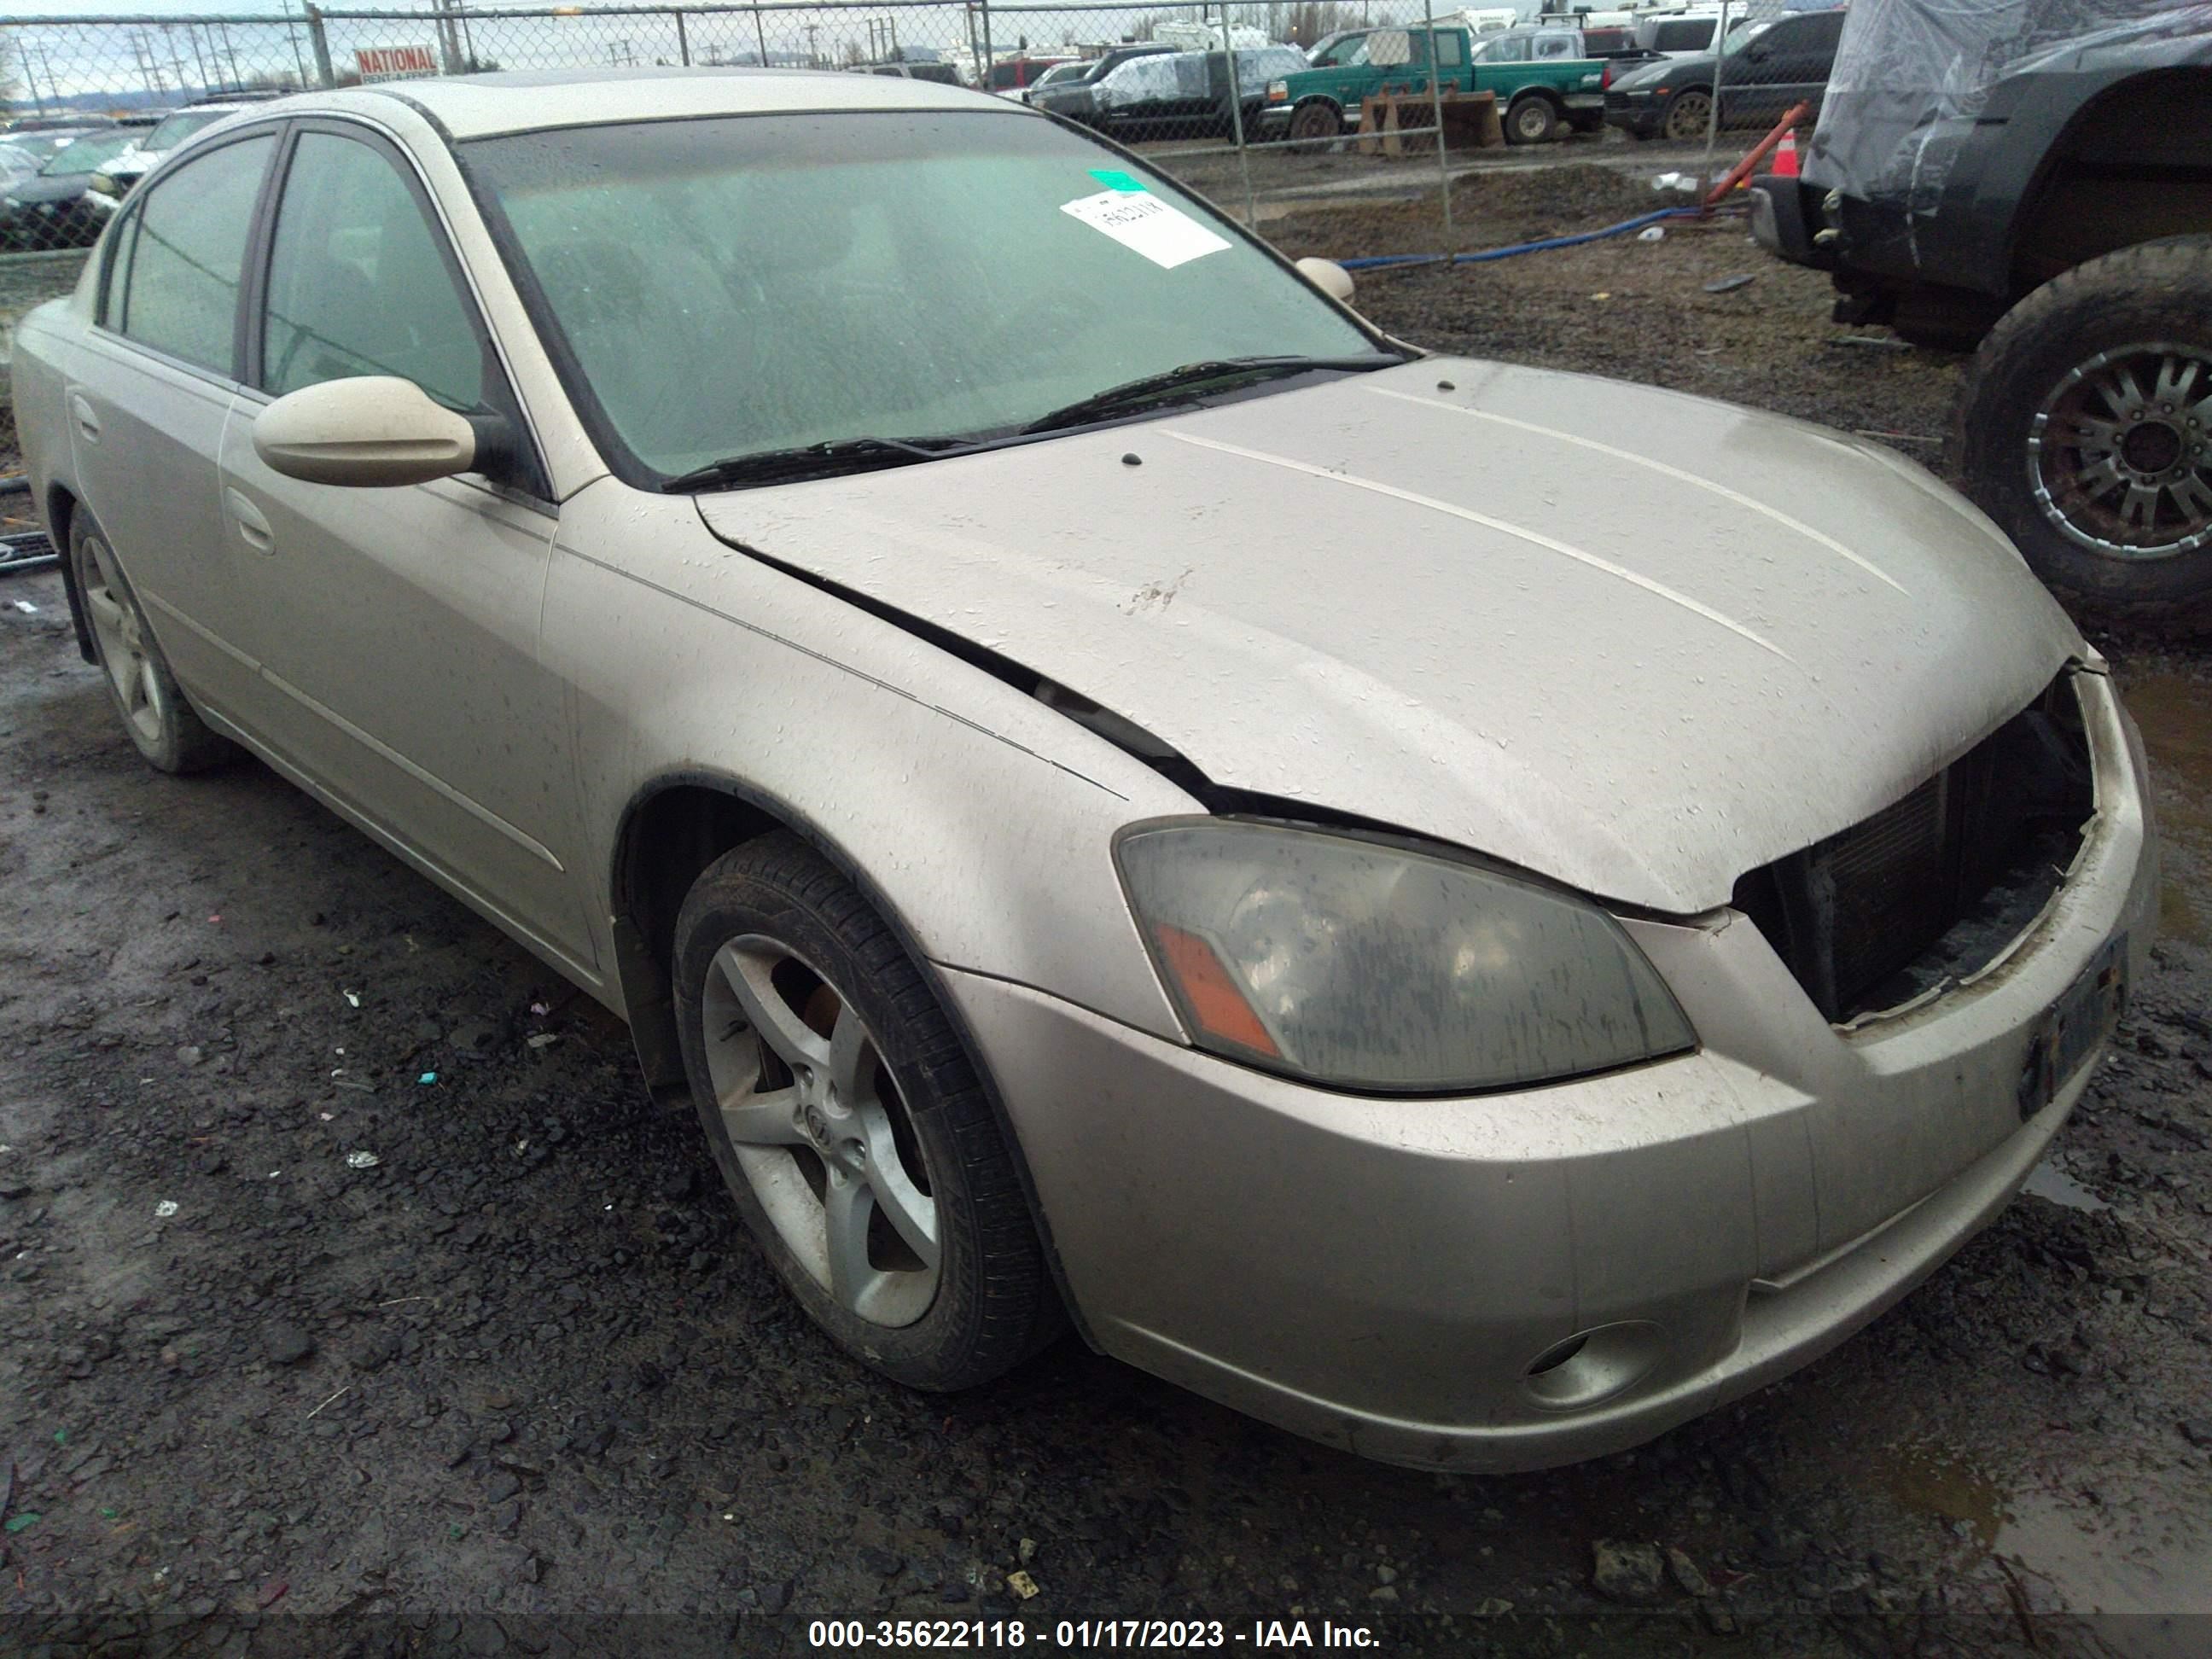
<point>981,819</point>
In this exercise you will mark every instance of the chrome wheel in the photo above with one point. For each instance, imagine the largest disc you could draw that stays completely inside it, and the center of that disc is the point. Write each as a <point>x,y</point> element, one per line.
<point>2120,456</point>
<point>119,627</point>
<point>819,1128</point>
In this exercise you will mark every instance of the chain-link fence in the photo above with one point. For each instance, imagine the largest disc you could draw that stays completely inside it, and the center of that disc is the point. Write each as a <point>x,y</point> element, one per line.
<point>1256,105</point>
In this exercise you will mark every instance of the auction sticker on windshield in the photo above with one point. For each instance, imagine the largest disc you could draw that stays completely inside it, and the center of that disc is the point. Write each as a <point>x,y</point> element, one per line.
<point>1141,221</point>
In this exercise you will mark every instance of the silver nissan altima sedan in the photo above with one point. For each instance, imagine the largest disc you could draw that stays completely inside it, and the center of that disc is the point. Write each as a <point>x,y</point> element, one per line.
<point>1124,794</point>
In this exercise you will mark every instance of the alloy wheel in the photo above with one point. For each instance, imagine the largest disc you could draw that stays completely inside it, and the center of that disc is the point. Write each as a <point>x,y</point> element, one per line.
<point>1689,115</point>
<point>120,628</point>
<point>2120,456</point>
<point>821,1131</point>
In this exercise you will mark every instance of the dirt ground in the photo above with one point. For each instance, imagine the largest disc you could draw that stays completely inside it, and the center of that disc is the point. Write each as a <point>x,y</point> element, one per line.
<point>354,1296</point>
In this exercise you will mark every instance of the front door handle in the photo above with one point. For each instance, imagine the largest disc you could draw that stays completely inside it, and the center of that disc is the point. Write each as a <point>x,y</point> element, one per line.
<point>88,423</point>
<point>252,528</point>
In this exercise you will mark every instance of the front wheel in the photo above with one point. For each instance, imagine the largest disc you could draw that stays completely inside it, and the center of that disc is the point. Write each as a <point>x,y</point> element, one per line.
<point>1531,121</point>
<point>2084,428</point>
<point>1316,123</point>
<point>849,1125</point>
<point>1688,115</point>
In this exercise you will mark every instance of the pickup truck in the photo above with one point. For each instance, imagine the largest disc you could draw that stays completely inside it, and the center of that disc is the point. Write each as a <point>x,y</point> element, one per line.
<point>1542,78</point>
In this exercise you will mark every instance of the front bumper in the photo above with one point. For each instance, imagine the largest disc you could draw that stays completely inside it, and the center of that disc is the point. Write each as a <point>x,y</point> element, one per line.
<point>1383,1274</point>
<point>1636,115</point>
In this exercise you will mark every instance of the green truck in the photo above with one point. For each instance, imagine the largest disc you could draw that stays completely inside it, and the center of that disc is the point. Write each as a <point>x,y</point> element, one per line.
<point>1544,78</point>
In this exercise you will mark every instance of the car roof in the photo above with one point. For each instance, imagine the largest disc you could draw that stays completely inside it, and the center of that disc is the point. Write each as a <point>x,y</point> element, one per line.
<point>482,105</point>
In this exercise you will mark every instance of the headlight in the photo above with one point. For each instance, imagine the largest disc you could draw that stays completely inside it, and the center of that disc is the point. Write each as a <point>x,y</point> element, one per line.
<point>1370,966</point>
<point>1279,92</point>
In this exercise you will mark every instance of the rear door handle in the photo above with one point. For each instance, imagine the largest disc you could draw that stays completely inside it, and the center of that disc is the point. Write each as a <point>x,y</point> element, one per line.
<point>88,423</point>
<point>252,528</point>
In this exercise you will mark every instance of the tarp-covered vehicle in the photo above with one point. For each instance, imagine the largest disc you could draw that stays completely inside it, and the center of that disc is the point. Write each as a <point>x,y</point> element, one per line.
<point>2033,178</point>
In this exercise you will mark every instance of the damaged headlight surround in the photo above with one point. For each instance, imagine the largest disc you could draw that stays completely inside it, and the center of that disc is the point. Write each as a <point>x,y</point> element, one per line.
<point>1366,965</point>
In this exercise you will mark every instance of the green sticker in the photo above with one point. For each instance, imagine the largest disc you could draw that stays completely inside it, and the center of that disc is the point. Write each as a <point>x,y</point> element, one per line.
<point>1114,179</point>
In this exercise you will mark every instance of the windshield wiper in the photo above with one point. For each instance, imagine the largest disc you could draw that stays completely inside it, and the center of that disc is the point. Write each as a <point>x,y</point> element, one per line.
<point>1132,395</point>
<point>820,460</point>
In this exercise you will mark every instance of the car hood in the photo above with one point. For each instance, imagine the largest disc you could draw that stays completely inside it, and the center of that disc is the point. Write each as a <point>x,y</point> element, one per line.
<point>1644,76</point>
<point>1638,641</point>
<point>49,187</point>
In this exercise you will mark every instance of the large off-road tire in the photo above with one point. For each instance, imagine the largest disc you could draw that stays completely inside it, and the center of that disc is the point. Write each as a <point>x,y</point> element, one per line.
<point>1689,112</point>
<point>2084,428</point>
<point>155,716</point>
<point>850,1126</point>
<point>1531,120</point>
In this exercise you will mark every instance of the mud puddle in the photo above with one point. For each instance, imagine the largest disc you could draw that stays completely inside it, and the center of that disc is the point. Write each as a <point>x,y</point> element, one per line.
<point>2173,707</point>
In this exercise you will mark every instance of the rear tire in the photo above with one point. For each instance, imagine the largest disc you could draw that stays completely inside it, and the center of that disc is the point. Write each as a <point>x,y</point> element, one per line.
<point>849,1125</point>
<point>156,718</point>
<point>2084,428</point>
<point>1531,120</point>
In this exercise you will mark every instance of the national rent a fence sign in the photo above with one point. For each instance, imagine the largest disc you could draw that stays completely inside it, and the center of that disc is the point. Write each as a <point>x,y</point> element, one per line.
<point>394,63</point>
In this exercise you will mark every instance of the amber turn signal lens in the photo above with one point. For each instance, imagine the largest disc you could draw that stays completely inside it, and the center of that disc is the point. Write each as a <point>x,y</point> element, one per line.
<point>1215,1002</point>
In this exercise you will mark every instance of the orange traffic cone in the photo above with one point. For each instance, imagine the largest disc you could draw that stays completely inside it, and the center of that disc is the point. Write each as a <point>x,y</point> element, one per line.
<point>1785,157</point>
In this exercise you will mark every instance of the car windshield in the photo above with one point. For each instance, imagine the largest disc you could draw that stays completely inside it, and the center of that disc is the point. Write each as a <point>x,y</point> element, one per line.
<point>89,155</point>
<point>180,126</point>
<point>741,284</point>
<point>1059,72</point>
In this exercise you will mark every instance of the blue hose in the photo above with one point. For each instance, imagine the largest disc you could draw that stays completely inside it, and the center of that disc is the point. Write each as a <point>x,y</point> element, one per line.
<point>1384,261</point>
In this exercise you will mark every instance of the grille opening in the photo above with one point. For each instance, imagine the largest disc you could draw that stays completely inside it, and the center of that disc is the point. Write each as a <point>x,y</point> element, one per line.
<point>1933,886</point>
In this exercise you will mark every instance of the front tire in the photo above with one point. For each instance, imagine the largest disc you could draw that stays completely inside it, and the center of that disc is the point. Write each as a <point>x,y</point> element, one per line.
<point>1689,113</point>
<point>1315,124</point>
<point>849,1125</point>
<point>2084,428</point>
<point>156,718</point>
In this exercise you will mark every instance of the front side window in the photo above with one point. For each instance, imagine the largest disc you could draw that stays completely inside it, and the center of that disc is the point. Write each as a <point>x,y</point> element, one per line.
<point>187,249</point>
<point>734,285</point>
<point>358,284</point>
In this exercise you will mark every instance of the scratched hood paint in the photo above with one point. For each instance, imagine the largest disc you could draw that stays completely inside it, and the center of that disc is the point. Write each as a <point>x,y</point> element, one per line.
<point>1638,641</point>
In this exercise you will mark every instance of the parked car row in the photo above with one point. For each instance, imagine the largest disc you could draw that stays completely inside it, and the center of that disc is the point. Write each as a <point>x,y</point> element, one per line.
<point>62,177</point>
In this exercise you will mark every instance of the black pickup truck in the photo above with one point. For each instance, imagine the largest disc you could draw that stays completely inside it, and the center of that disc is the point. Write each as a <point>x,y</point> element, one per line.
<point>2034,183</point>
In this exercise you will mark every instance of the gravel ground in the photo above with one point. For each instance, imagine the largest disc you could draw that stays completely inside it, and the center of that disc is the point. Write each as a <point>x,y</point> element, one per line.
<point>346,1269</point>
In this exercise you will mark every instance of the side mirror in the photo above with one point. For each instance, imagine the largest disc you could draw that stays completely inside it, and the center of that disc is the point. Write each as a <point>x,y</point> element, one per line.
<point>1330,277</point>
<point>373,431</point>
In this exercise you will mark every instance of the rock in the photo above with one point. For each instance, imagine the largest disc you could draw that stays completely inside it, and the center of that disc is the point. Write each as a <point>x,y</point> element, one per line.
<point>881,1563</point>
<point>1687,1575</point>
<point>2197,1431</point>
<point>1023,1586</point>
<point>286,1344</point>
<point>190,1055</point>
<point>1386,1574</point>
<point>1720,1618</point>
<point>1627,1572</point>
<point>502,1485</point>
<point>774,1598</point>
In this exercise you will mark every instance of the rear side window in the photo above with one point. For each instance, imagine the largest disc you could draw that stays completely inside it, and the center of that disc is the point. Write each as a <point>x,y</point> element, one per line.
<point>187,251</point>
<point>1448,50</point>
<point>1683,37</point>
